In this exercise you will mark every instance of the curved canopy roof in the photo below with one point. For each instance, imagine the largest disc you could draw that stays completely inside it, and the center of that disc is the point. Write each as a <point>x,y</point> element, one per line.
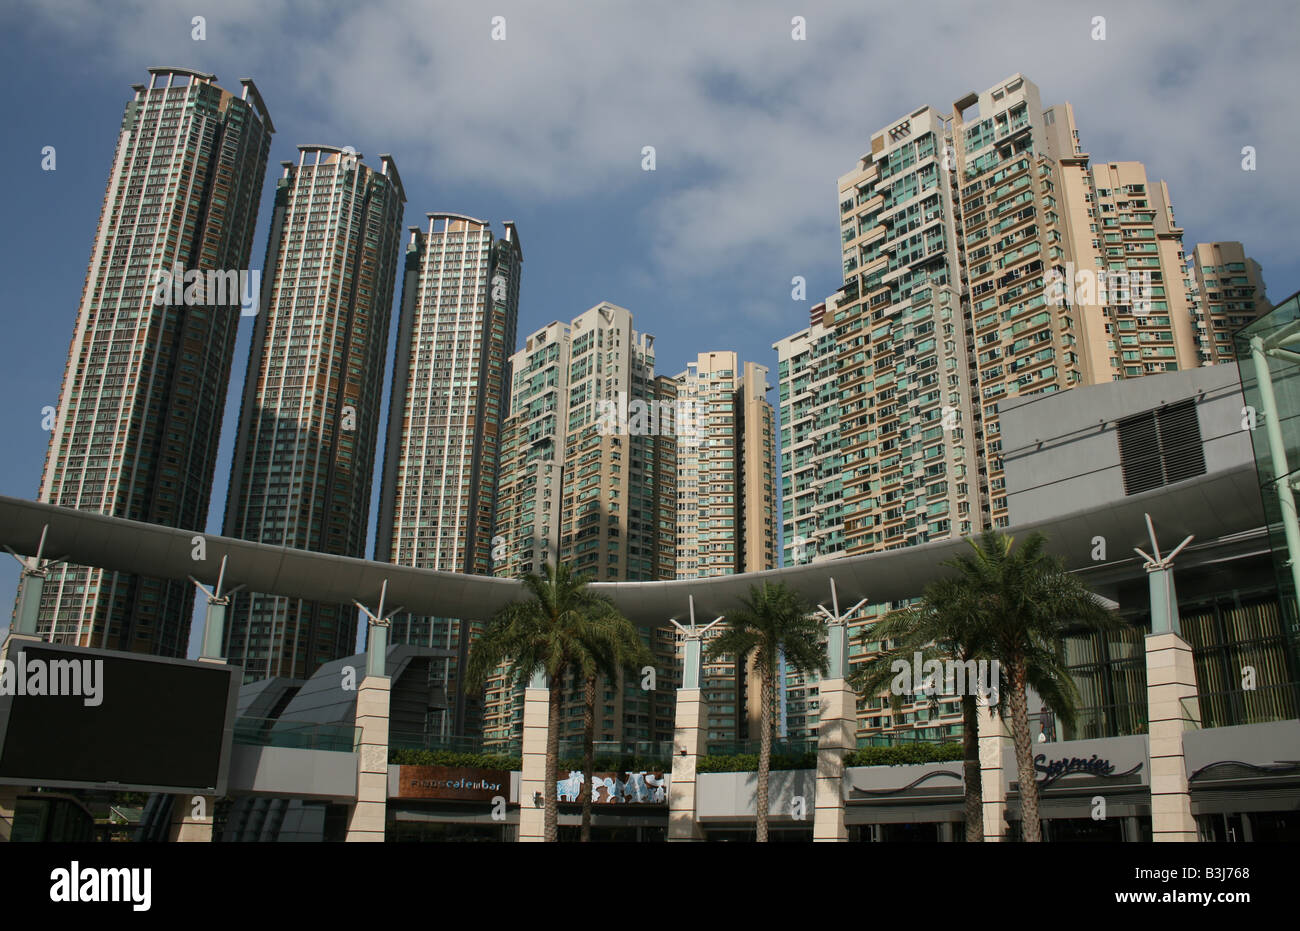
<point>1221,504</point>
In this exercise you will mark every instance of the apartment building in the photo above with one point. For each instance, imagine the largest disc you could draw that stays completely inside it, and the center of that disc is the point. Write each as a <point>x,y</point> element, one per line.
<point>310,420</point>
<point>726,506</point>
<point>1227,288</point>
<point>139,414</point>
<point>589,478</point>
<point>985,257</point>
<point>450,391</point>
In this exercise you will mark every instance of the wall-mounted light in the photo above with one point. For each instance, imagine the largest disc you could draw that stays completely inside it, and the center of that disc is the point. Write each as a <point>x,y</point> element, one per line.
<point>538,801</point>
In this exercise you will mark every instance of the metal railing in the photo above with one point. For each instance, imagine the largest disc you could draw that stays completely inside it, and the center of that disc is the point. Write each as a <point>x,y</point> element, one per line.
<point>436,742</point>
<point>621,754</point>
<point>1123,719</point>
<point>779,747</point>
<point>300,735</point>
<point>1243,706</point>
<point>906,738</point>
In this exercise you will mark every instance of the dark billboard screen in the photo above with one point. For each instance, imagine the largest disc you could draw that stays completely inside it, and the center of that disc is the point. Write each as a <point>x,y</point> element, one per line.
<point>73,716</point>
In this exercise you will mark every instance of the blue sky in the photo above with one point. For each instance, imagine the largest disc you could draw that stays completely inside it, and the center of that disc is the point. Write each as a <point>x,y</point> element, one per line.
<point>751,130</point>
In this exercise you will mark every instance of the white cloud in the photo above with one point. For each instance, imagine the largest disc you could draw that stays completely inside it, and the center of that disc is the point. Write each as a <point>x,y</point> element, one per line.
<point>751,128</point>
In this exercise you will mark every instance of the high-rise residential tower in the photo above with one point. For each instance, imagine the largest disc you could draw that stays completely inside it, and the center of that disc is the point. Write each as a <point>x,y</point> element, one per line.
<point>1228,291</point>
<point>589,478</point>
<point>140,410</point>
<point>811,469</point>
<point>726,506</point>
<point>533,454</point>
<point>311,413</point>
<point>451,388</point>
<point>984,258</point>
<point>725,489</point>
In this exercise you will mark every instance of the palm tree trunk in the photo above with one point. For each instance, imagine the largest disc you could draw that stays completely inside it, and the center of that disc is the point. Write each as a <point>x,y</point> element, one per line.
<point>764,749</point>
<point>551,815</point>
<point>588,753</point>
<point>971,768</point>
<point>1032,830</point>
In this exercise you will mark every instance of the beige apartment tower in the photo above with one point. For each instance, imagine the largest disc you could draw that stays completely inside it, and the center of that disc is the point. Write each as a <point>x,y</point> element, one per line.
<point>1228,291</point>
<point>726,506</point>
<point>450,392</point>
<point>310,419</point>
<point>589,478</point>
<point>985,256</point>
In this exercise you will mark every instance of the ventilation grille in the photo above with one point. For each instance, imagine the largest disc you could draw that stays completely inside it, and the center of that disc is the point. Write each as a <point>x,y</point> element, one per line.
<point>1160,447</point>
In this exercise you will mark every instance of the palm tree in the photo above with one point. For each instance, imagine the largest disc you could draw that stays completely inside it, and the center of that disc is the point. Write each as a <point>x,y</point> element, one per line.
<point>615,648</point>
<point>943,624</point>
<point>551,631</point>
<point>773,621</point>
<point>1027,603</point>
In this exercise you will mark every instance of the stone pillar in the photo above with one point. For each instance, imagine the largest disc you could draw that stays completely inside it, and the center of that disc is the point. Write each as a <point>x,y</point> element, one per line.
<point>690,731</point>
<point>366,820</point>
<point>837,735</point>
<point>8,803</point>
<point>994,738</point>
<point>532,778</point>
<point>837,738</point>
<point>690,734</point>
<point>1171,677</point>
<point>192,817</point>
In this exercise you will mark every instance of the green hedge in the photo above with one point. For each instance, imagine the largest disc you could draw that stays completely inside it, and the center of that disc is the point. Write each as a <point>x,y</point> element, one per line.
<point>748,762</point>
<point>721,763</point>
<point>619,764</point>
<point>905,753</point>
<point>408,757</point>
<point>603,764</point>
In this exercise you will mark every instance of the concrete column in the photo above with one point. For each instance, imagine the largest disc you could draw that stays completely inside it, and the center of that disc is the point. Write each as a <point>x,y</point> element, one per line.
<point>8,802</point>
<point>1171,677</point>
<point>366,820</point>
<point>690,733</point>
<point>192,819</point>
<point>837,734</point>
<point>994,738</point>
<point>532,778</point>
<point>837,737</point>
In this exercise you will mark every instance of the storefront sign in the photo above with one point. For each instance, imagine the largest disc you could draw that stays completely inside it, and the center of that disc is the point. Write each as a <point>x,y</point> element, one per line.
<point>452,782</point>
<point>616,788</point>
<point>1050,772</point>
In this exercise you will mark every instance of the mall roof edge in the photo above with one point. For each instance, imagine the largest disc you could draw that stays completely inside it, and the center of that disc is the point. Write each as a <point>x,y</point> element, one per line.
<point>1210,506</point>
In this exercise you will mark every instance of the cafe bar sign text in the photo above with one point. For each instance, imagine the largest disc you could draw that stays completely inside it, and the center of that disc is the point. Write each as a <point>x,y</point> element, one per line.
<point>461,783</point>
